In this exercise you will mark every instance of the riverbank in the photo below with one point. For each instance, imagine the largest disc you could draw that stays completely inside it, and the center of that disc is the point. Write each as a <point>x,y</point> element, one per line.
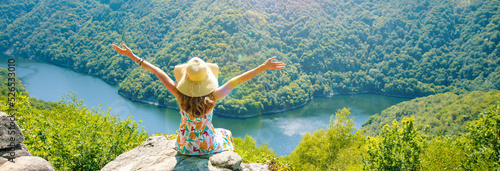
<point>370,92</point>
<point>67,66</point>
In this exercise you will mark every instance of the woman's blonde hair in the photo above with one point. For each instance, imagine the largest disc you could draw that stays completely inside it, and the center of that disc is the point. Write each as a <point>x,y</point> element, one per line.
<point>196,106</point>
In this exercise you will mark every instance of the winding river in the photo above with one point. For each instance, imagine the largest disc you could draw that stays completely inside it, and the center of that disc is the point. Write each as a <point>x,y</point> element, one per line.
<point>281,131</point>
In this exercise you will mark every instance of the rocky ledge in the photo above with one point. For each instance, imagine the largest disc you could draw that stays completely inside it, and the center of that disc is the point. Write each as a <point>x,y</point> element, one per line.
<point>13,153</point>
<point>157,153</point>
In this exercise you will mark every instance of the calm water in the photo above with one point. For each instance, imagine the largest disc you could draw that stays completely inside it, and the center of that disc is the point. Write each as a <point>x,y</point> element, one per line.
<point>282,131</point>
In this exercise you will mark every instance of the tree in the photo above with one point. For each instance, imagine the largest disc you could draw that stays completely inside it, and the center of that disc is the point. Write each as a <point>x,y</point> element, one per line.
<point>484,141</point>
<point>336,148</point>
<point>396,148</point>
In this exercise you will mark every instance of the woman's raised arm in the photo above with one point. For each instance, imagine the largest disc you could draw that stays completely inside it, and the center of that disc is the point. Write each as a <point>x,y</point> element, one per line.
<point>164,78</point>
<point>224,90</point>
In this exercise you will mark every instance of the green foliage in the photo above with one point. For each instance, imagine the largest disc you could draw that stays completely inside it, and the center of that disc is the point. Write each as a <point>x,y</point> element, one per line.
<point>477,149</point>
<point>445,114</point>
<point>443,153</point>
<point>15,84</point>
<point>397,148</point>
<point>337,148</point>
<point>251,153</point>
<point>408,48</point>
<point>483,150</point>
<point>42,105</point>
<point>73,137</point>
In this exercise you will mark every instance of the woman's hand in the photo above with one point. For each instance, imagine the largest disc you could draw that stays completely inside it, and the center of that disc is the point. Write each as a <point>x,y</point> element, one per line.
<point>126,51</point>
<point>269,64</point>
<point>164,78</point>
<point>224,90</point>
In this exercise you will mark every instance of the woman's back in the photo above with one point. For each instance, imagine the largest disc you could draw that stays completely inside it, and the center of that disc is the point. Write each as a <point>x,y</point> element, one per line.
<point>197,136</point>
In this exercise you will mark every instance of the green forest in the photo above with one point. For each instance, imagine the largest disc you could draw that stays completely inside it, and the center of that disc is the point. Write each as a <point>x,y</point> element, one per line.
<point>398,48</point>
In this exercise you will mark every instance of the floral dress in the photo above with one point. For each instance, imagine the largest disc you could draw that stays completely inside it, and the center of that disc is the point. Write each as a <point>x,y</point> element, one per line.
<point>197,136</point>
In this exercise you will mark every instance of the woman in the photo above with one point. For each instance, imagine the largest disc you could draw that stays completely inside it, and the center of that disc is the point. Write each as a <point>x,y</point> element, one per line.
<point>197,90</point>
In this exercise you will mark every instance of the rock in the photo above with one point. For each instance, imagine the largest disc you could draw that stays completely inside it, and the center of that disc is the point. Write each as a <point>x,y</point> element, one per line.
<point>253,166</point>
<point>19,151</point>
<point>3,160</point>
<point>158,153</point>
<point>227,159</point>
<point>11,139</point>
<point>153,154</point>
<point>10,133</point>
<point>12,147</point>
<point>27,163</point>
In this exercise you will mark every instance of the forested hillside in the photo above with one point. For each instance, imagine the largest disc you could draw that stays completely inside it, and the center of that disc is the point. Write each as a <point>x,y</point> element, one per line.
<point>13,85</point>
<point>440,114</point>
<point>404,48</point>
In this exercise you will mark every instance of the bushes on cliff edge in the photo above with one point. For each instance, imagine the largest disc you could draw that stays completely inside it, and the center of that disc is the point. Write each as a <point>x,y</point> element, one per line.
<point>73,137</point>
<point>248,149</point>
<point>337,148</point>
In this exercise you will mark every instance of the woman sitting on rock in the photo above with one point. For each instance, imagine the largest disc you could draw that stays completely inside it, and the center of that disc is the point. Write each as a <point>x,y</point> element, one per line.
<point>197,90</point>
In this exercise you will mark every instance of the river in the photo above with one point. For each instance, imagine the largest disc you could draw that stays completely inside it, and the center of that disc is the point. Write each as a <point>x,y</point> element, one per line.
<point>281,131</point>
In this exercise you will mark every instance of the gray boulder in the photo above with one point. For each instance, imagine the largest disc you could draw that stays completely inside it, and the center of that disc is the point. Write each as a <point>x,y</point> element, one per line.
<point>3,160</point>
<point>158,153</point>
<point>12,147</point>
<point>11,138</point>
<point>227,159</point>
<point>27,163</point>
<point>18,151</point>
<point>253,166</point>
<point>10,133</point>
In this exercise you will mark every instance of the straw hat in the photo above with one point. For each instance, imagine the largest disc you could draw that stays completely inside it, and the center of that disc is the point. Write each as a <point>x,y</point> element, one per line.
<point>196,78</point>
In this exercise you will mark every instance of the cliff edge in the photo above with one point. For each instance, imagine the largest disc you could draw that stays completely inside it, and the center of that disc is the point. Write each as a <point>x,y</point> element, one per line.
<point>157,153</point>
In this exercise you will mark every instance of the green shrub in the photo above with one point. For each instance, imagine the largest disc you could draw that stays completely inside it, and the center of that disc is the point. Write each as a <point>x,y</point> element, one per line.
<point>337,148</point>
<point>396,148</point>
<point>443,153</point>
<point>483,150</point>
<point>251,153</point>
<point>73,137</point>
